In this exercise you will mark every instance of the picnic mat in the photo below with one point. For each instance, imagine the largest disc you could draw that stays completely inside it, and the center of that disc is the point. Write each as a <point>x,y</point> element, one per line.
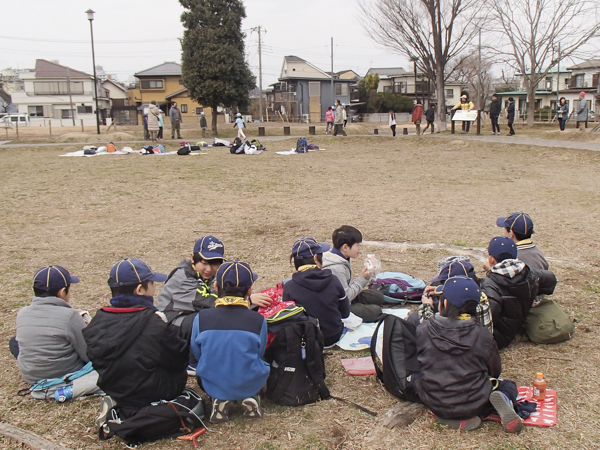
<point>545,416</point>
<point>360,339</point>
<point>359,366</point>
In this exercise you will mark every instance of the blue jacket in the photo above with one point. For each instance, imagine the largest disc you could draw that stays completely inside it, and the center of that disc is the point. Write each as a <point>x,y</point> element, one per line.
<point>229,343</point>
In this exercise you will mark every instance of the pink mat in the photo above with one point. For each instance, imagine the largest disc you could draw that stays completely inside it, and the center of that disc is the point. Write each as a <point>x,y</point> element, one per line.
<point>545,416</point>
<point>359,366</point>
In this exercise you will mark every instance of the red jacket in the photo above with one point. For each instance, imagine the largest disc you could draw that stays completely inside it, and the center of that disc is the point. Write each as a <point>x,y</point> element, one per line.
<point>417,113</point>
<point>329,116</point>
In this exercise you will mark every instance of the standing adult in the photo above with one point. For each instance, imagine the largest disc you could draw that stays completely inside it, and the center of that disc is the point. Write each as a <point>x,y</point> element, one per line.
<point>495,109</point>
<point>465,105</point>
<point>430,117</point>
<point>161,125</point>
<point>417,116</point>
<point>582,111</point>
<point>562,113</point>
<point>329,118</point>
<point>392,122</point>
<point>153,113</point>
<point>339,119</point>
<point>176,119</point>
<point>345,115</point>
<point>203,124</point>
<point>510,115</point>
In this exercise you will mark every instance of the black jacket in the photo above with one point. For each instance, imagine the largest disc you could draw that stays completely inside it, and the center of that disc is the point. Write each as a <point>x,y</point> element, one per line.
<point>323,297</point>
<point>457,357</point>
<point>510,112</point>
<point>139,359</point>
<point>495,108</point>
<point>511,299</point>
<point>430,114</point>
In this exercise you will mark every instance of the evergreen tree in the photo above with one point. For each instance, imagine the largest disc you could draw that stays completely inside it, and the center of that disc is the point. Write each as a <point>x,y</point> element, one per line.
<point>214,69</point>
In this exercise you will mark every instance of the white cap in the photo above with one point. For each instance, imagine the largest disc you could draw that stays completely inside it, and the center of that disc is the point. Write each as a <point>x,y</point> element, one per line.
<point>463,96</point>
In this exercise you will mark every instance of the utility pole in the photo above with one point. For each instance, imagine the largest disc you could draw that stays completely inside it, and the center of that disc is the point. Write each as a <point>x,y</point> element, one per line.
<point>332,90</point>
<point>558,77</point>
<point>481,98</point>
<point>260,104</point>
<point>70,96</point>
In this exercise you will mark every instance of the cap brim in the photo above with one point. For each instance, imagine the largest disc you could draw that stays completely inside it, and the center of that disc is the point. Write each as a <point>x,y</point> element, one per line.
<point>254,276</point>
<point>437,279</point>
<point>325,247</point>
<point>209,256</point>
<point>158,277</point>
<point>74,279</point>
<point>501,222</point>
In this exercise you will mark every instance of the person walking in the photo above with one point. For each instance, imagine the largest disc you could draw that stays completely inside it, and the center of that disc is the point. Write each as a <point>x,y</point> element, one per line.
<point>582,111</point>
<point>203,124</point>
<point>430,117</point>
<point>153,113</point>
<point>176,120</point>
<point>239,123</point>
<point>417,116</point>
<point>392,122</point>
<point>510,115</point>
<point>339,119</point>
<point>495,109</point>
<point>330,119</point>
<point>562,113</point>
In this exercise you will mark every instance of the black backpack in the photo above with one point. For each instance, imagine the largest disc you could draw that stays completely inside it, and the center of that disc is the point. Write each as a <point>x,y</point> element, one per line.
<point>160,420</point>
<point>399,357</point>
<point>297,366</point>
<point>184,150</point>
<point>237,148</point>
<point>301,146</point>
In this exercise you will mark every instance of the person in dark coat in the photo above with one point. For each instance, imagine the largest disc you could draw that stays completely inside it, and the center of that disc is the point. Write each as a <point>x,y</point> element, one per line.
<point>510,115</point>
<point>511,287</point>
<point>495,109</point>
<point>430,117</point>
<point>459,359</point>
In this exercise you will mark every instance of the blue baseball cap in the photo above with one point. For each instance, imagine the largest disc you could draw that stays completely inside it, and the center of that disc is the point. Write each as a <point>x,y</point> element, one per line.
<point>453,269</point>
<point>307,247</point>
<point>236,272</point>
<point>502,247</point>
<point>131,271</point>
<point>517,222</point>
<point>458,290</point>
<point>51,278</point>
<point>209,247</point>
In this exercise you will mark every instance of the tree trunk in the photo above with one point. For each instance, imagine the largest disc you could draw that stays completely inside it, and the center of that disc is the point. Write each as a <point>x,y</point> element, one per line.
<point>530,104</point>
<point>213,124</point>
<point>439,86</point>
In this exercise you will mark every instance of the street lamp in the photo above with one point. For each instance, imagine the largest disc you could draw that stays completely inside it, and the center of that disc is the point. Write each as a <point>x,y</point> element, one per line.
<point>90,16</point>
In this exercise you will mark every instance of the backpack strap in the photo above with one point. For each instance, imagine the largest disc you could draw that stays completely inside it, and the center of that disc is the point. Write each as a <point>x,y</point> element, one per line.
<point>284,383</point>
<point>314,362</point>
<point>378,371</point>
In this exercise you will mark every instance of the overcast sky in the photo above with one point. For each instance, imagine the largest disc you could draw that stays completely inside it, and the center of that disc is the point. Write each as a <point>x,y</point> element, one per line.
<point>134,35</point>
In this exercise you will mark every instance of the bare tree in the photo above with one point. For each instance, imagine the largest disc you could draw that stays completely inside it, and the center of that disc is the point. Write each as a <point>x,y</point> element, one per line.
<point>476,75</point>
<point>535,28</point>
<point>434,31</point>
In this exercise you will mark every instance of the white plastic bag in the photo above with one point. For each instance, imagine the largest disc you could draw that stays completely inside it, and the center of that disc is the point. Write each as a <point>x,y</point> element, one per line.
<point>372,264</point>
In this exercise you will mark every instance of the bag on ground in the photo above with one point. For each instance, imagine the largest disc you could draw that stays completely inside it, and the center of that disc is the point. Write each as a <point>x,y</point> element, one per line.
<point>398,287</point>
<point>396,347</point>
<point>237,147</point>
<point>548,324</point>
<point>297,366</point>
<point>111,148</point>
<point>301,146</point>
<point>184,150</point>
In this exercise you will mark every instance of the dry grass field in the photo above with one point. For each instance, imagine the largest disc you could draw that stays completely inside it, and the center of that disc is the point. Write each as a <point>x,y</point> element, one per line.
<point>86,213</point>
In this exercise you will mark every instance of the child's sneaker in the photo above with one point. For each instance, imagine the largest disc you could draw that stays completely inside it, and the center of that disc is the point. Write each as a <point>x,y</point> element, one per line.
<point>510,419</point>
<point>252,407</point>
<point>191,371</point>
<point>465,425</point>
<point>220,411</point>
<point>106,404</point>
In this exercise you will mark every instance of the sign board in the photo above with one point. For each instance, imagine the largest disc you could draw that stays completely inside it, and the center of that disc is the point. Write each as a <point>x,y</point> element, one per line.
<point>465,116</point>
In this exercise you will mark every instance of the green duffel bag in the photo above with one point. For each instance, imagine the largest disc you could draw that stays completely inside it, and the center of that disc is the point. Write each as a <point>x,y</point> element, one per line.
<point>548,324</point>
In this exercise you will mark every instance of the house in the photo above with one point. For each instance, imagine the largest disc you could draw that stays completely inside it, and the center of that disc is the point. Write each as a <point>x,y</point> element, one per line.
<point>58,93</point>
<point>116,93</point>
<point>5,100</point>
<point>164,84</point>
<point>304,92</point>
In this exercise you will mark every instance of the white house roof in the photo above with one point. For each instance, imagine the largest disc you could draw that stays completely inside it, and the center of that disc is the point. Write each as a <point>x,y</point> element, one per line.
<point>388,72</point>
<point>296,59</point>
<point>123,88</point>
<point>589,64</point>
<point>166,68</point>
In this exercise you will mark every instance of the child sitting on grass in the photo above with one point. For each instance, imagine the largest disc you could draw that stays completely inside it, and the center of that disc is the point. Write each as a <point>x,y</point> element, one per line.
<point>229,342</point>
<point>316,289</point>
<point>365,303</point>
<point>460,363</point>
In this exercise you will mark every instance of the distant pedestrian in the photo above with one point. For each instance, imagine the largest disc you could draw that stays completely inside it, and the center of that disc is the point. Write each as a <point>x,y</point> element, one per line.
<point>345,115</point>
<point>562,113</point>
<point>161,125</point>
<point>495,109</point>
<point>392,122</point>
<point>153,113</point>
<point>339,119</point>
<point>510,115</point>
<point>146,133</point>
<point>203,124</point>
<point>582,111</point>
<point>465,105</point>
<point>329,118</point>
<point>417,116</point>
<point>239,123</point>
<point>430,117</point>
<point>176,120</point>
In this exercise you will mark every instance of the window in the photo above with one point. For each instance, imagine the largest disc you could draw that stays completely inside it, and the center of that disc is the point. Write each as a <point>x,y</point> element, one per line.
<point>84,110</point>
<point>35,111</point>
<point>199,110</point>
<point>385,89</point>
<point>66,114</point>
<point>152,84</point>
<point>57,87</point>
<point>341,89</point>
<point>449,93</point>
<point>183,108</point>
<point>579,81</point>
<point>314,89</point>
<point>567,81</point>
<point>549,83</point>
<point>399,88</point>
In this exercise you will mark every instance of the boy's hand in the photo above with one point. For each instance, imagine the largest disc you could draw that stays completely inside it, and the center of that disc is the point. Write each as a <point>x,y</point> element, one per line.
<point>486,265</point>
<point>262,300</point>
<point>366,273</point>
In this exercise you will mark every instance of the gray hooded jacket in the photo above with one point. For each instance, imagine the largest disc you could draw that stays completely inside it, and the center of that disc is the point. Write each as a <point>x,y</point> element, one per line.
<point>341,268</point>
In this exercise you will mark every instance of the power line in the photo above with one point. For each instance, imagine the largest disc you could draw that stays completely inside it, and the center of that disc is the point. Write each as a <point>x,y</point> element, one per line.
<point>69,41</point>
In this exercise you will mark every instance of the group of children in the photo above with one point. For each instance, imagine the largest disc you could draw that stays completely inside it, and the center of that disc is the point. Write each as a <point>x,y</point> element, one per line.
<point>205,324</point>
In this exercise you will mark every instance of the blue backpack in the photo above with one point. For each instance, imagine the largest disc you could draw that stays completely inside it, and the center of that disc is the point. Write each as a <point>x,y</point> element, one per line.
<point>398,287</point>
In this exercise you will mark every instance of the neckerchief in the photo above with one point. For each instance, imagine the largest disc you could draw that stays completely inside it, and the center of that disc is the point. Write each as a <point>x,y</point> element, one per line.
<point>307,267</point>
<point>129,300</point>
<point>464,317</point>
<point>232,301</point>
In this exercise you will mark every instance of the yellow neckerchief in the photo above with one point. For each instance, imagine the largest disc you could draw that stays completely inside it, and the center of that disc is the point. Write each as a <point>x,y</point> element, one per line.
<point>464,317</point>
<point>307,267</point>
<point>524,241</point>
<point>232,301</point>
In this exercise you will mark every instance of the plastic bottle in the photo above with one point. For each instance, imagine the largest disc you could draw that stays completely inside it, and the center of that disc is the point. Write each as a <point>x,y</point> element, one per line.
<point>63,394</point>
<point>539,387</point>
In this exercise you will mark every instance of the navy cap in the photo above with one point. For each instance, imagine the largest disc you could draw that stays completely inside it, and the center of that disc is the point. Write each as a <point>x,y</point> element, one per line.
<point>51,278</point>
<point>306,247</point>
<point>517,222</point>
<point>453,269</point>
<point>131,271</point>
<point>458,290</point>
<point>209,248</point>
<point>502,248</point>
<point>238,273</point>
